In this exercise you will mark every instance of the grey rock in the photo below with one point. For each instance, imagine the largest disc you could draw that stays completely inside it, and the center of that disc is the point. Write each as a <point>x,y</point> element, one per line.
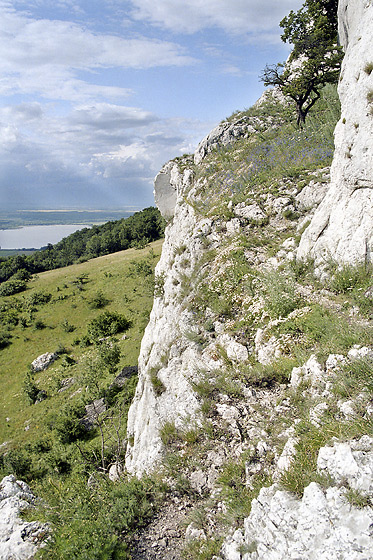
<point>44,361</point>
<point>224,134</point>
<point>93,411</point>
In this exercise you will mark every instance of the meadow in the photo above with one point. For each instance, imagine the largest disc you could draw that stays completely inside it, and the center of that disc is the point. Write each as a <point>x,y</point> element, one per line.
<point>75,295</point>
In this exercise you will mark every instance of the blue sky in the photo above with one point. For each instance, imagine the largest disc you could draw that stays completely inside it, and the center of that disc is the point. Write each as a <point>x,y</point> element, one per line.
<point>95,95</point>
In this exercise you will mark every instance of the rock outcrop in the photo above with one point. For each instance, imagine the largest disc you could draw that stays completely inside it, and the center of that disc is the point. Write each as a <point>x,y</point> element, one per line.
<point>214,348</point>
<point>342,228</point>
<point>166,367</point>
<point>321,525</point>
<point>19,539</point>
<point>43,362</point>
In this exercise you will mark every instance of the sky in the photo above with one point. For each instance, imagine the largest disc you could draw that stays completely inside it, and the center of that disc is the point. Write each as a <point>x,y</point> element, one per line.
<point>96,95</point>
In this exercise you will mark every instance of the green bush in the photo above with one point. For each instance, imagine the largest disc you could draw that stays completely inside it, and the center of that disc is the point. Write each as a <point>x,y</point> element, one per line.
<point>32,391</point>
<point>141,268</point>
<point>38,298</point>
<point>107,324</point>
<point>12,287</point>
<point>5,338</point>
<point>67,327</point>
<point>97,523</point>
<point>17,462</point>
<point>98,301</point>
<point>68,423</point>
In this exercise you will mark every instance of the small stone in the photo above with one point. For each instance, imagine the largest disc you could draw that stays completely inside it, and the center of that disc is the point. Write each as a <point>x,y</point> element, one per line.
<point>193,533</point>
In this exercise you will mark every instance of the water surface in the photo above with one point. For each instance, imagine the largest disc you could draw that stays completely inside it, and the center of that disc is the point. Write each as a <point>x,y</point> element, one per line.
<point>35,237</point>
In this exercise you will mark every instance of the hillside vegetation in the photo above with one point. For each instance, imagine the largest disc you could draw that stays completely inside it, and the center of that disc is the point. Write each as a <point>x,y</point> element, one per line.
<point>135,231</point>
<point>245,284</point>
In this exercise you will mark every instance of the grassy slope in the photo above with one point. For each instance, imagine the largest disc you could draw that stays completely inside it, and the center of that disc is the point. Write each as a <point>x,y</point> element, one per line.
<point>128,294</point>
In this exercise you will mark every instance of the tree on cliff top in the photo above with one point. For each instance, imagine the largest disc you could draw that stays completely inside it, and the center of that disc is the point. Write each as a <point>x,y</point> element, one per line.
<point>315,59</point>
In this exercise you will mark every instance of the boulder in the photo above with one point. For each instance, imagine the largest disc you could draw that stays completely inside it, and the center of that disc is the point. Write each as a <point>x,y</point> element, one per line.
<point>44,361</point>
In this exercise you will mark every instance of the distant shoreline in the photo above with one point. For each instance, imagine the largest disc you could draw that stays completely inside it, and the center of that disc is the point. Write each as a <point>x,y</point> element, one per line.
<point>23,218</point>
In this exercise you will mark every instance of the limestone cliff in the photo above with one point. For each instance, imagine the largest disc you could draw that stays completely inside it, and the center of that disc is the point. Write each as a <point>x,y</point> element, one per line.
<point>342,228</point>
<point>254,397</point>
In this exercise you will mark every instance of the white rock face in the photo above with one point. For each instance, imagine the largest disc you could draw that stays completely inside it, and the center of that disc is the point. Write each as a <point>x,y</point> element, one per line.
<point>342,227</point>
<point>322,525</point>
<point>19,540</point>
<point>168,184</point>
<point>166,351</point>
<point>222,135</point>
<point>43,362</point>
<point>351,462</point>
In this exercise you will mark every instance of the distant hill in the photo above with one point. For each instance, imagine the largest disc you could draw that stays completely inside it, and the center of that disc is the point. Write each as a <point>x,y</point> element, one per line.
<point>135,231</point>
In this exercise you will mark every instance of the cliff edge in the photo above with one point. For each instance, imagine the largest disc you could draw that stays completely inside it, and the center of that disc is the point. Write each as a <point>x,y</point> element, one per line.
<point>342,228</point>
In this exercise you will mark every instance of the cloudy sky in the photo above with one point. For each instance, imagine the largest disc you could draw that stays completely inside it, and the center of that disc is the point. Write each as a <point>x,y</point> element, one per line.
<point>97,94</point>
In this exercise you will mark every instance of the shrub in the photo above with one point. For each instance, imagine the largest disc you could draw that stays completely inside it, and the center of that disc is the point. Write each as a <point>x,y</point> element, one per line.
<point>98,523</point>
<point>98,301</point>
<point>17,462</point>
<point>68,423</point>
<point>141,268</point>
<point>12,287</point>
<point>368,68</point>
<point>67,327</point>
<point>5,339</point>
<point>32,391</point>
<point>107,324</point>
<point>38,298</point>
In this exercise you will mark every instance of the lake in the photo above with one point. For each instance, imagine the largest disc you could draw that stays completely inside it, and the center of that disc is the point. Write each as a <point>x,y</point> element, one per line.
<point>34,237</point>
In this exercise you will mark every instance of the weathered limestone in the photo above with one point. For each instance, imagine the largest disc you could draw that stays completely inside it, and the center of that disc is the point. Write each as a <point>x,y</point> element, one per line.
<point>225,133</point>
<point>168,184</point>
<point>161,356</point>
<point>323,525</point>
<point>43,362</point>
<point>19,539</point>
<point>342,227</point>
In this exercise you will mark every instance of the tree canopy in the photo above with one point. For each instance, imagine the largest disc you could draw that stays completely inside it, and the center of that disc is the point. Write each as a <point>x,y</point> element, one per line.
<point>315,59</point>
<point>135,231</point>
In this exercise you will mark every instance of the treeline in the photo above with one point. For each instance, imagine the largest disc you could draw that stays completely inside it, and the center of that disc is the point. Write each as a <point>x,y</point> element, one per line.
<point>136,231</point>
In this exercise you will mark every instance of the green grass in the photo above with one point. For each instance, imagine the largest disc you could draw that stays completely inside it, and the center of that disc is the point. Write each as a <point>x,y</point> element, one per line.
<point>278,151</point>
<point>72,291</point>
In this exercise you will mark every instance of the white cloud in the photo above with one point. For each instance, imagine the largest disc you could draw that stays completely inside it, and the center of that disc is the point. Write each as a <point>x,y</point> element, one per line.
<point>234,16</point>
<point>113,150</point>
<point>48,56</point>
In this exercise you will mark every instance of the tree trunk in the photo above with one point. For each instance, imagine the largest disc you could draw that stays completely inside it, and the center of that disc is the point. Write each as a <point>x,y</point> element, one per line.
<point>301,118</point>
